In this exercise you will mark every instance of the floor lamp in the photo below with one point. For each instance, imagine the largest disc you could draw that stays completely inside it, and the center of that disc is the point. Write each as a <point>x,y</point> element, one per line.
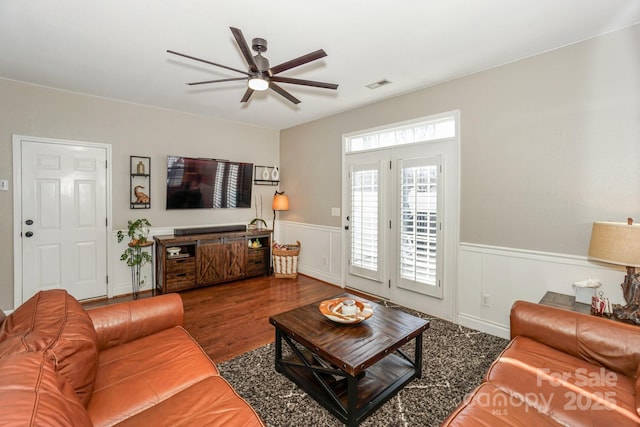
<point>280,203</point>
<point>619,244</point>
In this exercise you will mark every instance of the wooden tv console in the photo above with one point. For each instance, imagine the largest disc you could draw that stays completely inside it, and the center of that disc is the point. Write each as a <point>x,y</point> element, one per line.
<point>207,259</point>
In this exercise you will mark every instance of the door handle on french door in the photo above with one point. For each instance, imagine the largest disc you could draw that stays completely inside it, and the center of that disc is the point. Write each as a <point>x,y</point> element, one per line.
<point>28,234</point>
<point>29,222</point>
<point>346,227</point>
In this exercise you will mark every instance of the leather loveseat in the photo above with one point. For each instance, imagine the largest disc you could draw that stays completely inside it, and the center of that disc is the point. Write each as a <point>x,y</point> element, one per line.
<point>560,368</point>
<point>126,364</point>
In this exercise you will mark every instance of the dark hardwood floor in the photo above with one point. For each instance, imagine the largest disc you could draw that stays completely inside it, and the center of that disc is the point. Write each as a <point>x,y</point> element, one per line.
<point>230,319</point>
<point>233,318</point>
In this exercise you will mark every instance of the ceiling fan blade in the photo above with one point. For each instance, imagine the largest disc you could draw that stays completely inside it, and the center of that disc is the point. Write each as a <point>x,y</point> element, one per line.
<point>244,48</point>
<point>247,95</point>
<point>304,82</point>
<point>283,93</point>
<point>208,62</point>
<point>298,61</point>
<point>217,81</point>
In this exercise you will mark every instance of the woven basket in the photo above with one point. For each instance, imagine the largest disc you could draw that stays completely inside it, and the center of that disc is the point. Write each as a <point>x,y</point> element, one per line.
<point>285,261</point>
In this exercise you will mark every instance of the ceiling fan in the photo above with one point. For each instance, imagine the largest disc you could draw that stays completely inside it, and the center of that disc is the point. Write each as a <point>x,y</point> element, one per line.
<point>260,75</point>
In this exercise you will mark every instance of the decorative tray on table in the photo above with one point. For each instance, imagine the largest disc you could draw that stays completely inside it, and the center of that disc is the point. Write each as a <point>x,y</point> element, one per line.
<point>332,310</point>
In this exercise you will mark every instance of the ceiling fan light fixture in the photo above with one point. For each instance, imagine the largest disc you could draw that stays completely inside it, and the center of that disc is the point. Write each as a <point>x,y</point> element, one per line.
<point>260,76</point>
<point>258,83</point>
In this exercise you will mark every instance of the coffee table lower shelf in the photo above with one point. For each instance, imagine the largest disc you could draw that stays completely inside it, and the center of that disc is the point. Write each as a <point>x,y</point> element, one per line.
<point>329,386</point>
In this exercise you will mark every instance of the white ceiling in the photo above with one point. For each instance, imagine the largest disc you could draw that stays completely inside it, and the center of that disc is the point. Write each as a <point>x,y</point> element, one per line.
<point>117,48</point>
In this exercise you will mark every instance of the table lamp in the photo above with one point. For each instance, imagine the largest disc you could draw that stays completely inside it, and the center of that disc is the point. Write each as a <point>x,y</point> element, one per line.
<point>619,243</point>
<point>280,203</point>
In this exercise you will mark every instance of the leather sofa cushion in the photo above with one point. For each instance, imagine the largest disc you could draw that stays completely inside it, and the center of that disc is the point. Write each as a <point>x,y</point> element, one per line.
<point>570,390</point>
<point>638,391</point>
<point>580,335</point>
<point>135,376</point>
<point>490,406</point>
<point>54,322</point>
<point>32,393</point>
<point>211,402</point>
<point>127,321</point>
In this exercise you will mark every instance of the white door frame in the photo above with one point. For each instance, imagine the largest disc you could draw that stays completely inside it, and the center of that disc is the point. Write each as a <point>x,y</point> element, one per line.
<point>447,306</point>
<point>17,204</point>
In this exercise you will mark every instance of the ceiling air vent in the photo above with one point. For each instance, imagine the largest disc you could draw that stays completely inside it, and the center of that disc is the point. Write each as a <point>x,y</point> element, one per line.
<point>376,85</point>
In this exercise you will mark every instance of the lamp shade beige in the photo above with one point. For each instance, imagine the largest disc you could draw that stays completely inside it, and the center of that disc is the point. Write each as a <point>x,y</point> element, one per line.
<point>615,243</point>
<point>280,202</point>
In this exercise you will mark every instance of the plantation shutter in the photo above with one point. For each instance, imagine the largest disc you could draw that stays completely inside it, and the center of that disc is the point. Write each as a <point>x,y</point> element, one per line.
<point>365,257</point>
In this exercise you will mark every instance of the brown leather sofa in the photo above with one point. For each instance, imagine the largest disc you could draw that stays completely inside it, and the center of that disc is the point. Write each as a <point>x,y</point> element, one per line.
<point>560,368</point>
<point>126,364</point>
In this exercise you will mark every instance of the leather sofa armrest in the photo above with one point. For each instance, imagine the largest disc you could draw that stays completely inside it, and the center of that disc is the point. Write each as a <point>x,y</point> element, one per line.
<point>123,322</point>
<point>609,343</point>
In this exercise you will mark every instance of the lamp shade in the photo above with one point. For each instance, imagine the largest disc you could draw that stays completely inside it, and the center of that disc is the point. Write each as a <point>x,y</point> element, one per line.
<point>615,243</point>
<point>280,202</point>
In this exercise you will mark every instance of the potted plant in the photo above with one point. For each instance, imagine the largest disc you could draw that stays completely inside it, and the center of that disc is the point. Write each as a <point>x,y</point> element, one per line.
<point>133,255</point>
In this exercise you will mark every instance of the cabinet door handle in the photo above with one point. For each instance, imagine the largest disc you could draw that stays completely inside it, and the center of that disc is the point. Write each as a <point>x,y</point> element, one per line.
<point>181,275</point>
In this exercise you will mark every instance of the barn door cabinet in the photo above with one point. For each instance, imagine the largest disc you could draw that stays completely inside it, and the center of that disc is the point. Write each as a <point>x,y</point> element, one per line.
<point>186,262</point>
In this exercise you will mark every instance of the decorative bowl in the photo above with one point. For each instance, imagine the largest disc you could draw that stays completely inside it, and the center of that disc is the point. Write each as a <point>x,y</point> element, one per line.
<point>331,309</point>
<point>173,251</point>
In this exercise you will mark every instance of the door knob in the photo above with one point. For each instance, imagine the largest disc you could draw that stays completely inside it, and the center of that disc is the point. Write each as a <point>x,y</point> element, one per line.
<point>28,233</point>
<point>29,222</point>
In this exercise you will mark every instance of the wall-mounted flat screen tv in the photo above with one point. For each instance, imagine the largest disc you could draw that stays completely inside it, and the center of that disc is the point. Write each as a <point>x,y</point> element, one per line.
<point>208,183</point>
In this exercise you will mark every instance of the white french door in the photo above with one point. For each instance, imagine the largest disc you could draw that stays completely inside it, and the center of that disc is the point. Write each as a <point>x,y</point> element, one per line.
<point>62,214</point>
<point>368,181</point>
<point>418,235</point>
<point>395,216</point>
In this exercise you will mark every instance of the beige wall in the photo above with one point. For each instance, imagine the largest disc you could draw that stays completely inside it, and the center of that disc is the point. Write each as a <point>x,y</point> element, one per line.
<point>131,130</point>
<point>548,145</point>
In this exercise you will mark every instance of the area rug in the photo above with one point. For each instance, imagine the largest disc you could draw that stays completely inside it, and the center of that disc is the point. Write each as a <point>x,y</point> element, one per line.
<point>454,360</point>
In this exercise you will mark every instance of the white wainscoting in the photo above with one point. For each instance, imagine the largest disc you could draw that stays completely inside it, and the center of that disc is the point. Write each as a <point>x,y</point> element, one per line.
<point>507,275</point>
<point>321,249</point>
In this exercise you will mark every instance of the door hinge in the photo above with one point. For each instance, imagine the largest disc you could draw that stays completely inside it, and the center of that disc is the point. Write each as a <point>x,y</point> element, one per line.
<point>107,278</point>
<point>389,224</point>
<point>390,165</point>
<point>389,283</point>
<point>106,222</point>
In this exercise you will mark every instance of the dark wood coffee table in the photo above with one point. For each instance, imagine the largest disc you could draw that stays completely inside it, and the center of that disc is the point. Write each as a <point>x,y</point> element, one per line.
<point>349,369</point>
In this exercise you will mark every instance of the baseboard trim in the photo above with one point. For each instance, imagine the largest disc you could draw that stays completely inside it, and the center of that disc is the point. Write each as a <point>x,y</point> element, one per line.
<point>320,275</point>
<point>483,326</point>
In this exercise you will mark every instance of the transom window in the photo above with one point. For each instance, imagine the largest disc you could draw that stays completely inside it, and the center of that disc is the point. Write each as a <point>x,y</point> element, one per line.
<point>407,133</point>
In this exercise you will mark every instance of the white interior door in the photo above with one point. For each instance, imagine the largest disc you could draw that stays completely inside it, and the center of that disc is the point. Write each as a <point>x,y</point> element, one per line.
<point>63,218</point>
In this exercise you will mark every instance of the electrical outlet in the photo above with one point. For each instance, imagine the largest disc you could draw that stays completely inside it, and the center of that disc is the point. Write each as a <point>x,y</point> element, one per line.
<point>4,185</point>
<point>335,211</point>
<point>486,300</point>
<point>325,260</point>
